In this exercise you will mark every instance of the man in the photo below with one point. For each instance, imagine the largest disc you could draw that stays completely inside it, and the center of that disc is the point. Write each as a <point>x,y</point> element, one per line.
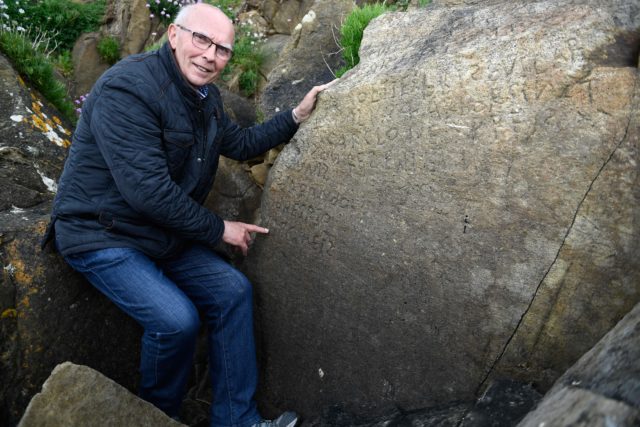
<point>129,216</point>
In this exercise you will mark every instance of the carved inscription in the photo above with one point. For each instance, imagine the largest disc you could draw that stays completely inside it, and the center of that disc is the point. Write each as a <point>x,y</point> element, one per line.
<point>408,127</point>
<point>311,212</point>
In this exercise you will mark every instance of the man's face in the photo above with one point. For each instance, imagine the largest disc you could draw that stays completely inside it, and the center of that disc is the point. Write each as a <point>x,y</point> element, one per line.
<point>199,66</point>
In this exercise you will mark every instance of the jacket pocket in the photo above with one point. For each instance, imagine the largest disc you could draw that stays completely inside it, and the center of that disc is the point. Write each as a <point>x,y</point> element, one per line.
<point>177,145</point>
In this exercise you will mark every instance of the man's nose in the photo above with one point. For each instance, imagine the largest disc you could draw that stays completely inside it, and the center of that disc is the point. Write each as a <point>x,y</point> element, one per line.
<point>211,52</point>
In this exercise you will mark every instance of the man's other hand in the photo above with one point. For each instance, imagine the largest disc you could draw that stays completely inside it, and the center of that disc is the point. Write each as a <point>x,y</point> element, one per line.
<point>308,103</point>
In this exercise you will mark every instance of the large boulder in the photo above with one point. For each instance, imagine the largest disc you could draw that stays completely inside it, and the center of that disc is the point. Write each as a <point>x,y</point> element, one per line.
<point>463,204</point>
<point>48,313</point>
<point>76,395</point>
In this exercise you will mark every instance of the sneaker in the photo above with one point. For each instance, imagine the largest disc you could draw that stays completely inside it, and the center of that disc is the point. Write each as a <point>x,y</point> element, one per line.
<point>287,419</point>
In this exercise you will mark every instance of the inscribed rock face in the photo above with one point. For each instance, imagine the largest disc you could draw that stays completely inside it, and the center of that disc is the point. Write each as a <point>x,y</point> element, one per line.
<point>427,223</point>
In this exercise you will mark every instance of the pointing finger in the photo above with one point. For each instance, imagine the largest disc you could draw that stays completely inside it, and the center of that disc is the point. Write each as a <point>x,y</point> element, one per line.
<point>256,229</point>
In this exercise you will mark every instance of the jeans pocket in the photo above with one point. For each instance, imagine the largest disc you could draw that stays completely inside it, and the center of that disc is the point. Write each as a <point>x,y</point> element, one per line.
<point>98,259</point>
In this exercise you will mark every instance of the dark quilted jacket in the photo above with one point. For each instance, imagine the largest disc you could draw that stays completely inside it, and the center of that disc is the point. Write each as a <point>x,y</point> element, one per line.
<point>143,159</point>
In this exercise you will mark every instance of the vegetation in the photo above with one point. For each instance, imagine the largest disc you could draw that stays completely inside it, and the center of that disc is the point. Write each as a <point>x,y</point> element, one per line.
<point>165,10</point>
<point>37,36</point>
<point>34,64</point>
<point>245,63</point>
<point>109,49</point>
<point>353,28</point>
<point>64,63</point>
<point>61,20</point>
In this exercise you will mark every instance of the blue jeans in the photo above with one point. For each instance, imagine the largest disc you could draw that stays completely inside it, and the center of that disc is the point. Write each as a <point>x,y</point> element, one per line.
<point>165,296</point>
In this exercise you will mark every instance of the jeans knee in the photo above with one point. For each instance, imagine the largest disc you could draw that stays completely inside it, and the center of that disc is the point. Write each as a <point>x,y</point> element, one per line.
<point>181,327</point>
<point>240,290</point>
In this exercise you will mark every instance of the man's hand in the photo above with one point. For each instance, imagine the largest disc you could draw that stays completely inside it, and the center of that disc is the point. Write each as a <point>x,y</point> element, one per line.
<point>308,103</point>
<point>238,234</point>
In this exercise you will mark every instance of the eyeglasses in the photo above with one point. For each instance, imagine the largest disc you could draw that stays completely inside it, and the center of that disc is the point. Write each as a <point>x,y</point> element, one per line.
<point>203,42</point>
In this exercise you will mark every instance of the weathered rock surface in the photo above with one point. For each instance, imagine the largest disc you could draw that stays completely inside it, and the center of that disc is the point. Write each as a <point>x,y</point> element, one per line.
<point>239,109</point>
<point>503,404</point>
<point>75,396</point>
<point>308,58</point>
<point>31,141</point>
<point>48,314</point>
<point>571,407</point>
<point>87,64</point>
<point>272,47</point>
<point>602,388</point>
<point>284,15</point>
<point>464,203</point>
<point>129,22</point>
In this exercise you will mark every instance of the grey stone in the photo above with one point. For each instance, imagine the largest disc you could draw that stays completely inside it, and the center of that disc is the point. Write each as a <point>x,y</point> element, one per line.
<point>272,48</point>
<point>448,416</point>
<point>32,141</point>
<point>466,193</point>
<point>602,388</point>
<point>504,403</point>
<point>239,109</point>
<point>87,63</point>
<point>578,407</point>
<point>78,396</point>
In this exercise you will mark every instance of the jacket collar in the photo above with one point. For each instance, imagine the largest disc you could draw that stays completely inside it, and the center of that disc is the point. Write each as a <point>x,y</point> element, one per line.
<point>170,63</point>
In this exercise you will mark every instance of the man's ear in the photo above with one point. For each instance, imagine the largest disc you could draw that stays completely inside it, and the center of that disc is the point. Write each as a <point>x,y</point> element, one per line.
<point>172,35</point>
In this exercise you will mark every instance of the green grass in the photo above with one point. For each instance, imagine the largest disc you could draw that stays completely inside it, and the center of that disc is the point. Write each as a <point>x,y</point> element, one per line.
<point>166,10</point>
<point>64,63</point>
<point>37,37</point>
<point>229,7</point>
<point>246,61</point>
<point>36,67</point>
<point>352,30</point>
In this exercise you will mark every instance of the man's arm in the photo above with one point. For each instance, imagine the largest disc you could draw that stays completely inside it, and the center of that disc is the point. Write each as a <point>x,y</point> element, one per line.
<point>243,144</point>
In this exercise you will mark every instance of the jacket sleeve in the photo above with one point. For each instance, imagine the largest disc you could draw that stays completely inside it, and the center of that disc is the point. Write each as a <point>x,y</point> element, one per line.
<point>127,131</point>
<point>245,143</point>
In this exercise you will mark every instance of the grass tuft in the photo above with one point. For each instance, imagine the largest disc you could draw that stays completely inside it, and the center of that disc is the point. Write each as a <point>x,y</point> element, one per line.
<point>352,31</point>
<point>109,49</point>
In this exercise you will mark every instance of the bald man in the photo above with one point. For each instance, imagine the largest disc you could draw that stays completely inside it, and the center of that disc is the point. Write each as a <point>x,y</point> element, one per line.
<point>129,216</point>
